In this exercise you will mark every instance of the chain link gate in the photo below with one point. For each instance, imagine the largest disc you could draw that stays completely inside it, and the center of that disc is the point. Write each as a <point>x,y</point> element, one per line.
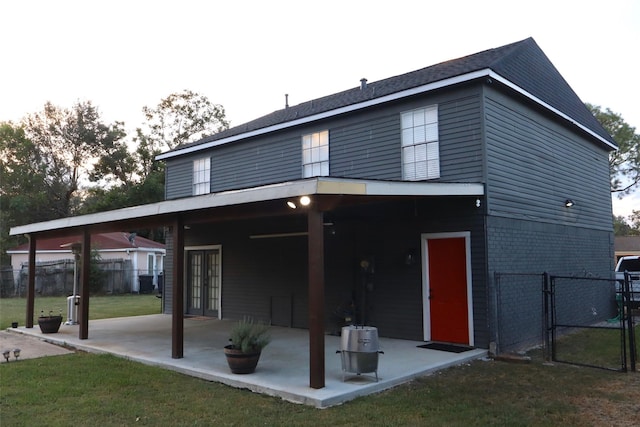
<point>578,322</point>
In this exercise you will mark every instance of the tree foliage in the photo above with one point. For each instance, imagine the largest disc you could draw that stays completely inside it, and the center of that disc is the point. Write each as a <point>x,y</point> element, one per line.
<point>624,164</point>
<point>138,178</point>
<point>68,143</point>
<point>49,160</point>
<point>22,177</point>
<point>180,118</point>
<point>622,227</point>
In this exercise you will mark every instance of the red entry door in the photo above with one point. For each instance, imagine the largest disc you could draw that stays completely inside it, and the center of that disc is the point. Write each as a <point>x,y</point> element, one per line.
<point>447,290</point>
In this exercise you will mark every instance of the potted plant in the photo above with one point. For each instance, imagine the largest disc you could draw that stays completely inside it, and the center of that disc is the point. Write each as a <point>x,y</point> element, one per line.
<point>248,338</point>
<point>49,324</point>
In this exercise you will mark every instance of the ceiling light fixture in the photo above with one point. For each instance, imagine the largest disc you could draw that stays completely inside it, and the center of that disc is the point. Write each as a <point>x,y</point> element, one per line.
<point>302,201</point>
<point>568,203</point>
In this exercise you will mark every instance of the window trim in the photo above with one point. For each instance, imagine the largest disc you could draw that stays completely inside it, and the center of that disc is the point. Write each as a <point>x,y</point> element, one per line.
<point>428,144</point>
<point>201,168</point>
<point>322,150</point>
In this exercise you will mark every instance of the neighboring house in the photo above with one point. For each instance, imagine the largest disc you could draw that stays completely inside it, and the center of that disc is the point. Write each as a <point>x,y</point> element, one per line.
<point>142,256</point>
<point>627,245</point>
<point>402,196</point>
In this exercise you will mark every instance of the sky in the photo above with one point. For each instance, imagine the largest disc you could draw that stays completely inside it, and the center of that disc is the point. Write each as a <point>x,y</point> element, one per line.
<point>246,55</point>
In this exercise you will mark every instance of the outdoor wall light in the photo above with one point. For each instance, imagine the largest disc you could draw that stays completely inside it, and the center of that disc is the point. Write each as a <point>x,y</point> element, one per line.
<point>568,203</point>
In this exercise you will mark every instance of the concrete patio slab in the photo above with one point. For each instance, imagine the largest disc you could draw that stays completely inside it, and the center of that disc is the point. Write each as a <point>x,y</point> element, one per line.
<point>30,347</point>
<point>283,369</point>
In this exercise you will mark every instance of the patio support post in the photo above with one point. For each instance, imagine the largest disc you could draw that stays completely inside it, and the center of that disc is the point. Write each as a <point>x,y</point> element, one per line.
<point>316,298</point>
<point>31,282</point>
<point>177,317</point>
<point>83,313</point>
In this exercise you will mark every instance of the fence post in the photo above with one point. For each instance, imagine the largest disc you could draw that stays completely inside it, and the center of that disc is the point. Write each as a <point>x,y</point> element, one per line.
<point>494,311</point>
<point>627,308</point>
<point>552,311</point>
<point>546,294</point>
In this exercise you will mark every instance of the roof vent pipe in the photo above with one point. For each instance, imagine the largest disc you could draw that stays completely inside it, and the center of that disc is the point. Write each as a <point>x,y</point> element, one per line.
<point>286,100</point>
<point>363,84</point>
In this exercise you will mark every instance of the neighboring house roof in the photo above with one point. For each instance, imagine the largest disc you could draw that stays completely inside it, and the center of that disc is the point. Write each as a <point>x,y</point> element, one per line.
<point>523,66</point>
<point>627,244</point>
<point>104,241</point>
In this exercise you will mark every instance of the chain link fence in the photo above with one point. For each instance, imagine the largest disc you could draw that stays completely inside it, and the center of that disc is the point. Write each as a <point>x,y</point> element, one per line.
<point>574,319</point>
<point>519,311</point>
<point>56,278</point>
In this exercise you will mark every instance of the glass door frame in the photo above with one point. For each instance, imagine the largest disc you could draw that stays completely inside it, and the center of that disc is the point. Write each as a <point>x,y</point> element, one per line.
<point>187,273</point>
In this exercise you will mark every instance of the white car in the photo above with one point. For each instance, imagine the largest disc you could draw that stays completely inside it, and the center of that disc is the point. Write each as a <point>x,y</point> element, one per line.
<point>630,264</point>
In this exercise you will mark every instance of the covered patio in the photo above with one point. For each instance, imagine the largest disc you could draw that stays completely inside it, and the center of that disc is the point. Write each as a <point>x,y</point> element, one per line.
<point>283,370</point>
<point>190,216</point>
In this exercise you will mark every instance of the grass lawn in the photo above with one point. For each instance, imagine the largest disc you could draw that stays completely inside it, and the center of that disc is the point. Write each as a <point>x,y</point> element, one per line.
<point>93,389</point>
<point>596,347</point>
<point>90,389</point>
<point>100,307</point>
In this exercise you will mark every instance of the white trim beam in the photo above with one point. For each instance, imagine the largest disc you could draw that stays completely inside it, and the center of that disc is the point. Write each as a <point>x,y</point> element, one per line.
<point>305,187</point>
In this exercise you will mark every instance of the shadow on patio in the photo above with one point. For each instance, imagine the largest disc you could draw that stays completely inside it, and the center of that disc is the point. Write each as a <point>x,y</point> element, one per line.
<point>283,369</point>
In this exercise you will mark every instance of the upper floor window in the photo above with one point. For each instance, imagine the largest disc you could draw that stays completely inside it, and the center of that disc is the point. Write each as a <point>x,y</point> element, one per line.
<point>201,176</point>
<point>420,148</point>
<point>315,154</point>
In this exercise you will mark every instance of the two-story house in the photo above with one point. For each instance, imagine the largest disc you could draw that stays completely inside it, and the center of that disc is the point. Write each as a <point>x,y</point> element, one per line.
<point>400,198</point>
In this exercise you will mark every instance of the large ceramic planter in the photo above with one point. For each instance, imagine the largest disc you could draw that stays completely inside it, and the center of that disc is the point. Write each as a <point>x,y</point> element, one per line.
<point>49,324</point>
<point>239,362</point>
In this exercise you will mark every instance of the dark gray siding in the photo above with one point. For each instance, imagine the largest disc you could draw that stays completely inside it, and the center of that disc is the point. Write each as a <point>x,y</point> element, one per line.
<point>363,145</point>
<point>521,246</point>
<point>396,300</point>
<point>366,149</point>
<point>260,274</point>
<point>534,165</point>
<point>367,145</point>
<point>274,158</point>
<point>460,125</point>
<point>179,177</point>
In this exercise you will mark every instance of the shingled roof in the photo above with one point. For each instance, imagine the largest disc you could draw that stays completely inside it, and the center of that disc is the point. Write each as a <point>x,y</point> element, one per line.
<point>522,63</point>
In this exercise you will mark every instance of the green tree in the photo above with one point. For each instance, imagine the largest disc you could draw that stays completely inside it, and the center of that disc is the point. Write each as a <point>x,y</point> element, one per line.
<point>635,222</point>
<point>178,119</point>
<point>69,142</point>
<point>23,192</point>
<point>620,226</point>
<point>116,165</point>
<point>624,164</point>
<point>181,118</point>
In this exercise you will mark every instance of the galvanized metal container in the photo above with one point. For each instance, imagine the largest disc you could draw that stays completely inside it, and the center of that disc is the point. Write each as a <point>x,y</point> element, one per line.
<point>359,350</point>
<point>360,339</point>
